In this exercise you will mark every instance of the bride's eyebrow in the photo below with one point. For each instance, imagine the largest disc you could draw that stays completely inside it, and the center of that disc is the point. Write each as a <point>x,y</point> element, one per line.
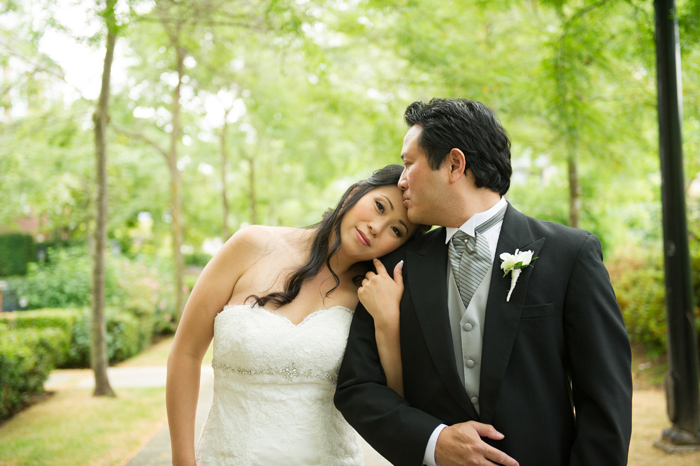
<point>391,204</point>
<point>388,200</point>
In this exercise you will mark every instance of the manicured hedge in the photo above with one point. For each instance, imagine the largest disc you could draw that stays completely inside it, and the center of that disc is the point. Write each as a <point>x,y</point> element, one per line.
<point>32,343</point>
<point>126,335</point>
<point>16,251</point>
<point>62,320</point>
<point>27,356</point>
<point>123,338</point>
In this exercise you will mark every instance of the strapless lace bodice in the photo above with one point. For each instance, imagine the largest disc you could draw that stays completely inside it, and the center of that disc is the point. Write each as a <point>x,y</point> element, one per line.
<point>273,391</point>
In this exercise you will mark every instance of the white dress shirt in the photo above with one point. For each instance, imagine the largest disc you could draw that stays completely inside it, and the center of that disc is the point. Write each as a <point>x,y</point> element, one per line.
<point>474,315</point>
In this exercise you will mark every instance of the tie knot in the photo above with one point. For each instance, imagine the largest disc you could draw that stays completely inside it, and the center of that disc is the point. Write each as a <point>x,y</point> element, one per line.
<point>470,260</point>
<point>463,242</point>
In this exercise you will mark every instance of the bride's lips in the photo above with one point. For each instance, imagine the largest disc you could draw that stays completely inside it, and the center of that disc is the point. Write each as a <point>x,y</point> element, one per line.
<point>362,237</point>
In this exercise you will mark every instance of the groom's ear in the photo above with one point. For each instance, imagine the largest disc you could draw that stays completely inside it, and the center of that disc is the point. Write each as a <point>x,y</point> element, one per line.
<point>457,163</point>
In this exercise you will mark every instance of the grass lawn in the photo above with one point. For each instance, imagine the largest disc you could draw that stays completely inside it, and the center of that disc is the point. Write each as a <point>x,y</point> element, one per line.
<point>73,428</point>
<point>157,355</point>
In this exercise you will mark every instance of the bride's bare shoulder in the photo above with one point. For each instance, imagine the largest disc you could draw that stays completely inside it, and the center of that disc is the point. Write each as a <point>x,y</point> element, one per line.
<point>262,239</point>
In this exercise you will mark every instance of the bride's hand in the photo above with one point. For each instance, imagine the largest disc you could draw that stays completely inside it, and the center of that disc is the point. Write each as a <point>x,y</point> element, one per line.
<point>381,295</point>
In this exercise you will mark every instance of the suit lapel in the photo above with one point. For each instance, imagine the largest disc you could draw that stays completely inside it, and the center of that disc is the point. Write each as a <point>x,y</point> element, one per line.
<point>503,318</point>
<point>426,275</point>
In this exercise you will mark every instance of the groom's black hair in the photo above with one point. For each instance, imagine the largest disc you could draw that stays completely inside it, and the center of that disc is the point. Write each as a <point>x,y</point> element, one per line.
<point>471,127</point>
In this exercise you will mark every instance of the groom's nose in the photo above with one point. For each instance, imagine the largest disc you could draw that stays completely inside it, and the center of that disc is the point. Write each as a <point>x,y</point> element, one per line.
<point>402,181</point>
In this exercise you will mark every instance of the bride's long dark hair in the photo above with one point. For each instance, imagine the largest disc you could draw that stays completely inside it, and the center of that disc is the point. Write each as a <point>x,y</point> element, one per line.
<point>321,249</point>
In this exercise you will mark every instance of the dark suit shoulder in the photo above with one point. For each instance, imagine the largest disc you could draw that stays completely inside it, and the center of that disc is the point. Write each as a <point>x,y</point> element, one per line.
<point>555,231</point>
<point>564,242</point>
<point>414,245</point>
<point>436,234</point>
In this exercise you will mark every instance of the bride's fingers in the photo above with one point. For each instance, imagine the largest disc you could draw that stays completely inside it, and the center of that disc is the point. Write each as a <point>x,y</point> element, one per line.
<point>398,273</point>
<point>381,270</point>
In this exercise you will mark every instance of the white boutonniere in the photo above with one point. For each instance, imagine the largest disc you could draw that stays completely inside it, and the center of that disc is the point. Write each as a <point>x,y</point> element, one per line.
<point>514,264</point>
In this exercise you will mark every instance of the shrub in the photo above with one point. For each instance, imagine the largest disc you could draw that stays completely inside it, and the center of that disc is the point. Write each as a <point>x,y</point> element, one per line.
<point>197,259</point>
<point>27,356</point>
<point>65,282</point>
<point>124,333</point>
<point>62,282</point>
<point>637,274</point>
<point>164,321</point>
<point>147,292</point>
<point>16,251</point>
<point>123,338</point>
<point>694,229</point>
<point>61,320</point>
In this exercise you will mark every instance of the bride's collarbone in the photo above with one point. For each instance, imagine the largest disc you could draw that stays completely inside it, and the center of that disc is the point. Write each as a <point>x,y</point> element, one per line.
<point>309,301</point>
<point>297,313</point>
<point>311,298</point>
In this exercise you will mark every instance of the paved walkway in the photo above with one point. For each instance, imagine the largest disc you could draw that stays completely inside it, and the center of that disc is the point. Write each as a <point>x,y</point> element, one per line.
<point>156,450</point>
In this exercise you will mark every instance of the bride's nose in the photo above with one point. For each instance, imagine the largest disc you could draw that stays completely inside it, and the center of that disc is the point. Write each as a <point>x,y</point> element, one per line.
<point>373,230</point>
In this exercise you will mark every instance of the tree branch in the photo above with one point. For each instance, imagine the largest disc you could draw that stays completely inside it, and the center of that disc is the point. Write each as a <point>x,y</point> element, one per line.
<point>142,137</point>
<point>40,68</point>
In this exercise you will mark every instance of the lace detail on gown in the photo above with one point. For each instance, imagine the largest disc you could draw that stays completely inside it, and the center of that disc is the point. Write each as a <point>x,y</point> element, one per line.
<point>273,391</point>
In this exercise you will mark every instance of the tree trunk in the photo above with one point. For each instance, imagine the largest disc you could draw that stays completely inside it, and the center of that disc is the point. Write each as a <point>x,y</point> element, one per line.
<point>98,344</point>
<point>574,192</point>
<point>225,233</point>
<point>175,188</point>
<point>5,90</point>
<point>253,198</point>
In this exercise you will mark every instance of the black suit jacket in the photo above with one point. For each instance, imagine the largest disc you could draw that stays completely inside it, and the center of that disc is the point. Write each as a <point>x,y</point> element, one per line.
<point>555,376</point>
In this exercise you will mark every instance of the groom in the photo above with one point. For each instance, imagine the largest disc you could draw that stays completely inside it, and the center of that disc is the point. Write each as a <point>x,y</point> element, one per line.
<point>538,378</point>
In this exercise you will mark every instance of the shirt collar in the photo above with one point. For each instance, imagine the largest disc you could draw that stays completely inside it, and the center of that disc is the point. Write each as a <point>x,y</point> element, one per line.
<point>475,220</point>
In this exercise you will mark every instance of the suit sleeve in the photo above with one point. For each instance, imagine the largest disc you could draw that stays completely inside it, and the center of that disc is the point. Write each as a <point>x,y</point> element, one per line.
<point>600,358</point>
<point>386,421</point>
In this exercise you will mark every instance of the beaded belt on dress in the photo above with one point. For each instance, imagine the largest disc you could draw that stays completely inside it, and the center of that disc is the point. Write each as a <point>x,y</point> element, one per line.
<point>289,372</point>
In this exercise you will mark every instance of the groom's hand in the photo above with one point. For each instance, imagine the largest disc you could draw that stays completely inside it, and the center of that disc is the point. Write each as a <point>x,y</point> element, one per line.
<point>461,445</point>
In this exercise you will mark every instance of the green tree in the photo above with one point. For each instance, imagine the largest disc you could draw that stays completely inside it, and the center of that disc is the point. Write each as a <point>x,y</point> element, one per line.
<point>98,345</point>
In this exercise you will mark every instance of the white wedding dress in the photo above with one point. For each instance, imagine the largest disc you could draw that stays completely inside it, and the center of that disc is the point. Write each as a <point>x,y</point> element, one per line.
<point>273,391</point>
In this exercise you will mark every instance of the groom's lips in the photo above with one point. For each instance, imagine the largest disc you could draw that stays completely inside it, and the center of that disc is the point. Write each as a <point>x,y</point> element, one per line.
<point>362,237</point>
<point>405,202</point>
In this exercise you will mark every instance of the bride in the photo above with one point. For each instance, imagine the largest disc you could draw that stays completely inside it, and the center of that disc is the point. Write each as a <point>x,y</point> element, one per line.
<point>278,303</point>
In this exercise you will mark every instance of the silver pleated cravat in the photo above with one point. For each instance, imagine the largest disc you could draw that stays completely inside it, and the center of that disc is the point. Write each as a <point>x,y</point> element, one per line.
<point>470,257</point>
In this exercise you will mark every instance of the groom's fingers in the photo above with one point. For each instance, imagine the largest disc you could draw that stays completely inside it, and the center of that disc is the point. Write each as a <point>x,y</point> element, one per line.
<point>492,453</point>
<point>487,430</point>
<point>497,456</point>
<point>462,444</point>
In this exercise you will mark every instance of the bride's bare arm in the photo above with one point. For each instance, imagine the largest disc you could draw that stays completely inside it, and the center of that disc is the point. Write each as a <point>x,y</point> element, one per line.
<point>211,293</point>
<point>381,295</point>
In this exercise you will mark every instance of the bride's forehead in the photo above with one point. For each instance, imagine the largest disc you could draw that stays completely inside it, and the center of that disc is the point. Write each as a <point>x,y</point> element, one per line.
<point>388,190</point>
